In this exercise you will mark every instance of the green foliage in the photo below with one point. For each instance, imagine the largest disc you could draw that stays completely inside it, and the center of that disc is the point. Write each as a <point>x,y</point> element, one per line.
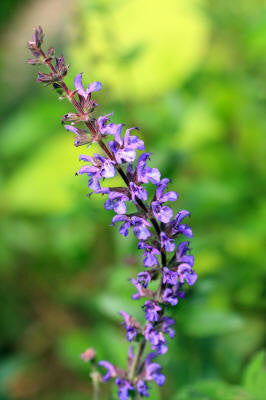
<point>253,385</point>
<point>213,390</point>
<point>255,376</point>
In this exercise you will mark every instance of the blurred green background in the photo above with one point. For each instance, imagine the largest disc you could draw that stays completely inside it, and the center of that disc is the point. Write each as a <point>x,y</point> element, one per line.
<point>191,74</point>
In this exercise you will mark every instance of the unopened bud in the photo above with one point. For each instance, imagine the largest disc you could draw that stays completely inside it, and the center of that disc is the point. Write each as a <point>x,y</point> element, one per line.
<point>38,36</point>
<point>88,355</point>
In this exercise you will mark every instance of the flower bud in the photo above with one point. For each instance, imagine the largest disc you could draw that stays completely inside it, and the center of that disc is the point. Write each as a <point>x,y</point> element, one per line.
<point>88,355</point>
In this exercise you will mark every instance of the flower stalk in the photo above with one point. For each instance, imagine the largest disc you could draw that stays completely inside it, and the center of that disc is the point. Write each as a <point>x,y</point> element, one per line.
<point>153,223</point>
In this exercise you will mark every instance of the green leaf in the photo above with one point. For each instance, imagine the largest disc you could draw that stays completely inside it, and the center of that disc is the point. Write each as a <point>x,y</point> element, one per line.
<point>255,376</point>
<point>207,322</point>
<point>212,390</point>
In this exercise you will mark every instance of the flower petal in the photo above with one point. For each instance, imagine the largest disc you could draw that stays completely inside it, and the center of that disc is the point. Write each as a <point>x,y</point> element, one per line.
<point>78,84</point>
<point>93,87</point>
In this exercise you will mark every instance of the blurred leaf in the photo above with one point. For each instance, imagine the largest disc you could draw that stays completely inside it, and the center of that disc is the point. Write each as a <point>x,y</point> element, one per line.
<point>207,322</point>
<point>148,50</point>
<point>255,376</point>
<point>212,390</point>
<point>69,348</point>
<point>232,349</point>
<point>110,305</point>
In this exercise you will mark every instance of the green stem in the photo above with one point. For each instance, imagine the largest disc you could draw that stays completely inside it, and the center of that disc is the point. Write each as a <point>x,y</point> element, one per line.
<point>137,358</point>
<point>96,390</point>
<point>96,379</point>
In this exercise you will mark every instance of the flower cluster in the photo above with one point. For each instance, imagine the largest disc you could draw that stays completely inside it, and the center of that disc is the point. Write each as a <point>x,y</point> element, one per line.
<point>166,256</point>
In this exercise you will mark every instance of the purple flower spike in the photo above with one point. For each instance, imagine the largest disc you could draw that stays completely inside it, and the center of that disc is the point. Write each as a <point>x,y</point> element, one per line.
<point>124,387</point>
<point>151,222</point>
<point>111,371</point>
<point>186,273</point>
<point>169,277</point>
<point>151,311</point>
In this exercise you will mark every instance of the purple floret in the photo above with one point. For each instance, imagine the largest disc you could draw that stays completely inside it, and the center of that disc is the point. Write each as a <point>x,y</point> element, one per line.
<point>93,87</point>
<point>131,325</point>
<point>100,168</point>
<point>151,310</point>
<point>167,243</point>
<point>142,388</point>
<point>146,174</point>
<point>167,322</point>
<point>149,254</point>
<point>156,339</point>
<point>153,371</point>
<point>186,273</point>
<point>82,135</point>
<point>110,373</point>
<point>169,277</point>
<point>117,199</point>
<point>124,387</point>
<point>170,297</point>
<point>178,228</point>
<point>163,213</point>
<point>144,278</point>
<point>182,256</point>
<point>139,226</point>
